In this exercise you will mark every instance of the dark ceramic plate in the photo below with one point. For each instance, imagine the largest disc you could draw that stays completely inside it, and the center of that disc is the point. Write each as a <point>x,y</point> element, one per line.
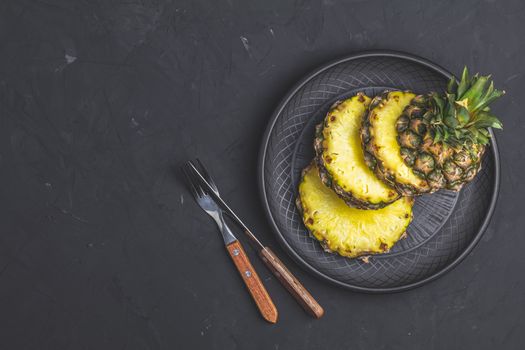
<point>446,226</point>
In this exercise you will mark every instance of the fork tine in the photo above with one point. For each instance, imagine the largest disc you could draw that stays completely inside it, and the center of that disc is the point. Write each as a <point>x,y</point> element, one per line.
<point>191,182</point>
<point>207,175</point>
<point>195,179</point>
<point>194,173</point>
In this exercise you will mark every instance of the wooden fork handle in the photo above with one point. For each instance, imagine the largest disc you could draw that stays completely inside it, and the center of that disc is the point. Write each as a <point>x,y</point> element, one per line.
<point>288,280</point>
<point>253,282</point>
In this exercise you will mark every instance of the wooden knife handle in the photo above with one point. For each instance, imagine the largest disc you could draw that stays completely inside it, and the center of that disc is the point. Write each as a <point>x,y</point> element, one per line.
<point>288,280</point>
<point>253,282</point>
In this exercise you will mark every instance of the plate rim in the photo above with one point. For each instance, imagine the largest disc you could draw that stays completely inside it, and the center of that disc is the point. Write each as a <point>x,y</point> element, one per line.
<point>264,198</point>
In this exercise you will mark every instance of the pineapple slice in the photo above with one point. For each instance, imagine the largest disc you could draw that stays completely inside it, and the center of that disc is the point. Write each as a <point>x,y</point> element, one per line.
<point>348,231</point>
<point>341,160</point>
<point>383,152</point>
<point>421,144</point>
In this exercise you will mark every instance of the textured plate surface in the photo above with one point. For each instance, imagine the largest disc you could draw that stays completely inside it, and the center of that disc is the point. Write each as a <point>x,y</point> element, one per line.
<point>446,224</point>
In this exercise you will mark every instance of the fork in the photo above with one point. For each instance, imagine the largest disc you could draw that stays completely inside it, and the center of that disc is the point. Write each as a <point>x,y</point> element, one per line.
<point>236,251</point>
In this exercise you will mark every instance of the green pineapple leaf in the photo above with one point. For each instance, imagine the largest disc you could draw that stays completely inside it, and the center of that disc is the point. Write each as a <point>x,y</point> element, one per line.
<point>475,92</point>
<point>451,121</point>
<point>462,115</point>
<point>487,120</point>
<point>488,98</point>
<point>475,136</point>
<point>464,83</point>
<point>482,139</point>
<point>446,134</point>
<point>438,100</point>
<point>450,111</point>
<point>452,86</point>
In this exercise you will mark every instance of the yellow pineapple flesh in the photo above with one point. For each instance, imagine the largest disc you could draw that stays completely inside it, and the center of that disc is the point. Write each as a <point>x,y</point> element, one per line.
<point>345,230</point>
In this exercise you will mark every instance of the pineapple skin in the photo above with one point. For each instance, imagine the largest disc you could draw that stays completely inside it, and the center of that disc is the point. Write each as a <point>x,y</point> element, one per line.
<point>382,151</point>
<point>352,198</point>
<point>347,231</point>
<point>449,167</point>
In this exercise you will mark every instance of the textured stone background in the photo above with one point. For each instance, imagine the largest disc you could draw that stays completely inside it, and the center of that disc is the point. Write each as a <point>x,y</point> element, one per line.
<point>101,246</point>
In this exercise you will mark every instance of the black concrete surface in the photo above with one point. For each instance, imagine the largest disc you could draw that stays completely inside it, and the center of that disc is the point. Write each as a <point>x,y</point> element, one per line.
<point>101,246</point>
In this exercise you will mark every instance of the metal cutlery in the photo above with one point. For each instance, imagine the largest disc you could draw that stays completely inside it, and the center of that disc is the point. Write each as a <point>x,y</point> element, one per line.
<point>274,264</point>
<point>235,249</point>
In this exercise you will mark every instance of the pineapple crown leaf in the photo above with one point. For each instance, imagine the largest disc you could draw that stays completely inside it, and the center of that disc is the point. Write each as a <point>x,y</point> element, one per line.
<point>462,113</point>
